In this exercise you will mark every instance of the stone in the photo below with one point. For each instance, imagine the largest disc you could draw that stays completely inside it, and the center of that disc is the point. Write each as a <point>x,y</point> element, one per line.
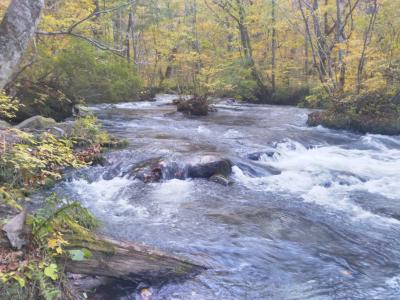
<point>80,110</point>
<point>36,123</point>
<point>209,166</point>
<point>257,155</point>
<point>4,124</point>
<point>14,230</point>
<point>196,106</point>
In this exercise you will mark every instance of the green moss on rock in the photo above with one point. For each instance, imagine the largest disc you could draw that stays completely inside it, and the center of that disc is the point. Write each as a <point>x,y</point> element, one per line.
<point>367,113</point>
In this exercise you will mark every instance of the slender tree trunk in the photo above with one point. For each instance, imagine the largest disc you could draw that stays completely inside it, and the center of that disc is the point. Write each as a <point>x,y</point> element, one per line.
<point>273,46</point>
<point>314,51</point>
<point>321,40</point>
<point>128,35</point>
<point>16,30</point>
<point>367,38</point>
<point>248,51</point>
<point>306,57</point>
<point>340,40</point>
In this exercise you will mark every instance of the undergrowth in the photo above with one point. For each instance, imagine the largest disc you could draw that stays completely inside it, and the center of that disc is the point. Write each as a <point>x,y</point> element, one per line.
<point>37,271</point>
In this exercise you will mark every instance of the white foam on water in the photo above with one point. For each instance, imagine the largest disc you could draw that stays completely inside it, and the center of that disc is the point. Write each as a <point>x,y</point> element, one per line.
<point>232,134</point>
<point>161,99</point>
<point>394,282</point>
<point>107,196</point>
<point>328,175</point>
<point>169,195</point>
<point>203,130</point>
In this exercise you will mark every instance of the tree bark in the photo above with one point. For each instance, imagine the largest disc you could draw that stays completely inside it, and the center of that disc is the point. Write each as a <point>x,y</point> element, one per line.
<point>273,46</point>
<point>128,261</point>
<point>16,30</point>
<point>340,40</point>
<point>248,51</point>
<point>367,38</point>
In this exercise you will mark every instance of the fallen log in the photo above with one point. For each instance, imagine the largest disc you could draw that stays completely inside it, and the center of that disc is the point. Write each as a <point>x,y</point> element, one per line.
<point>128,261</point>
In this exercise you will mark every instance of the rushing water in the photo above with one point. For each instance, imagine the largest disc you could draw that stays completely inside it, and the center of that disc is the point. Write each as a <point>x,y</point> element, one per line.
<point>314,215</point>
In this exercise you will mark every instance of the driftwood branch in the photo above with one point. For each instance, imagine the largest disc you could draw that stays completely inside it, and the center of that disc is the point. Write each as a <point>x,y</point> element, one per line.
<point>129,261</point>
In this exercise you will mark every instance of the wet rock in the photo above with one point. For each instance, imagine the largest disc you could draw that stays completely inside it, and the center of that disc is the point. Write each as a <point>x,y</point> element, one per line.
<point>4,124</point>
<point>36,123</point>
<point>220,179</point>
<point>80,110</point>
<point>196,106</point>
<point>209,166</point>
<point>153,170</point>
<point>257,155</point>
<point>212,108</point>
<point>14,230</point>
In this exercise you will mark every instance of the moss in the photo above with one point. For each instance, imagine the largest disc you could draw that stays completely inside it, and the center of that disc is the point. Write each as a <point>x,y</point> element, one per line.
<point>115,143</point>
<point>367,113</point>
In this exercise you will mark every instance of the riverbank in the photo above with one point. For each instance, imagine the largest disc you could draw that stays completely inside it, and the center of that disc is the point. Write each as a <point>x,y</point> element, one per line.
<point>34,155</point>
<point>41,249</point>
<point>375,113</point>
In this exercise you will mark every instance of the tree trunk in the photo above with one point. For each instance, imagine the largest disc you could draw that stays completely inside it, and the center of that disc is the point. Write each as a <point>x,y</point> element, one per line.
<point>367,38</point>
<point>340,40</point>
<point>273,46</point>
<point>128,261</point>
<point>16,30</point>
<point>248,52</point>
<point>321,40</point>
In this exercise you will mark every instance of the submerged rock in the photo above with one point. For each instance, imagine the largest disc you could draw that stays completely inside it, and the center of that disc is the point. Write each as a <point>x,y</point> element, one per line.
<point>36,123</point>
<point>257,155</point>
<point>220,179</point>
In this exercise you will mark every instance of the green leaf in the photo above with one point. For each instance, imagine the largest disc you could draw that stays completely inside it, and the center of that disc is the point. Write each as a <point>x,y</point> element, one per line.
<point>51,271</point>
<point>79,254</point>
<point>20,280</point>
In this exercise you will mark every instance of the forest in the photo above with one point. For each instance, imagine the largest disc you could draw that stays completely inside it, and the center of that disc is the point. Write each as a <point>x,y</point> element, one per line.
<point>119,117</point>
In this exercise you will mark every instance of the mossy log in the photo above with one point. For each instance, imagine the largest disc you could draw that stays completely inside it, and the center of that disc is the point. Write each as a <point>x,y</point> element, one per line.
<point>129,261</point>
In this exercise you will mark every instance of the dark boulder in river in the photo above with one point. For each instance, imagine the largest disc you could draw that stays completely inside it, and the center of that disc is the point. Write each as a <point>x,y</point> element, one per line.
<point>156,169</point>
<point>196,106</point>
<point>208,166</point>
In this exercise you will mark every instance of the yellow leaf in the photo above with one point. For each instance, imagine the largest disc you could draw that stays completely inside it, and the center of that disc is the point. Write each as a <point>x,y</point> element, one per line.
<point>52,243</point>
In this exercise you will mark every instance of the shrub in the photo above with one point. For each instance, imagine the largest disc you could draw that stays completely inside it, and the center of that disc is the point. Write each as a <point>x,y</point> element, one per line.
<point>88,131</point>
<point>96,76</point>
<point>36,159</point>
<point>8,106</point>
<point>317,98</point>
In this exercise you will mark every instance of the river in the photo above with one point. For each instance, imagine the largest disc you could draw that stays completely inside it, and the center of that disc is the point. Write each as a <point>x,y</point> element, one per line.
<point>313,213</point>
